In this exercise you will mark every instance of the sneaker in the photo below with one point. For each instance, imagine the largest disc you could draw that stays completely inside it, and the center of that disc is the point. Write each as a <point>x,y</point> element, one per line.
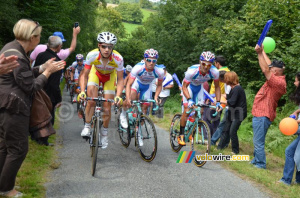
<point>141,142</point>
<point>180,141</point>
<point>104,141</point>
<point>86,131</point>
<point>123,121</point>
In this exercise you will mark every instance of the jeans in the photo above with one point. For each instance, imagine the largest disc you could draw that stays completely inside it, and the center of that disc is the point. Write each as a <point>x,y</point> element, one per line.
<point>289,165</point>
<point>230,133</point>
<point>260,127</point>
<point>218,132</point>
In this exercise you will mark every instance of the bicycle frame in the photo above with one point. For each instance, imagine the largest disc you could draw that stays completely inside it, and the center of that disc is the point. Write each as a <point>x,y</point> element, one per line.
<point>197,118</point>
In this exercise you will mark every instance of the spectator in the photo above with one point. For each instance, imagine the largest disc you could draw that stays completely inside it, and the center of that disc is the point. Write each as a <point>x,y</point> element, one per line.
<point>218,132</point>
<point>16,89</point>
<point>292,152</point>
<point>52,87</point>
<point>237,112</point>
<point>265,103</point>
<point>213,124</point>
<point>7,64</point>
<point>64,53</point>
<point>165,92</point>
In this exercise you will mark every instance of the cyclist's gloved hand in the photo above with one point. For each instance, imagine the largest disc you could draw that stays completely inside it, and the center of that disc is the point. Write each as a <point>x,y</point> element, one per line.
<point>81,96</point>
<point>219,107</point>
<point>118,100</point>
<point>191,103</point>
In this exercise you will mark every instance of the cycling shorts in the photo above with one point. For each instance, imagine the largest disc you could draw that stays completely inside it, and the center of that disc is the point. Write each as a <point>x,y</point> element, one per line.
<point>196,94</point>
<point>144,90</point>
<point>107,80</point>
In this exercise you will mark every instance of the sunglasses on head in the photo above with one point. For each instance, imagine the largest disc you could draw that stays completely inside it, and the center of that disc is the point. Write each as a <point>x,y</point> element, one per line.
<point>151,60</point>
<point>106,46</point>
<point>37,25</point>
<point>205,64</point>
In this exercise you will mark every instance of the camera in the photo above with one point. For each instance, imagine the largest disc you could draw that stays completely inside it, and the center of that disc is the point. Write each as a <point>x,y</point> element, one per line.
<point>76,24</point>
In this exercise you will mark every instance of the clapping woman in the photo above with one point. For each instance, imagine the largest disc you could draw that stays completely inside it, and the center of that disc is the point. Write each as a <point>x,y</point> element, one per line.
<point>16,90</point>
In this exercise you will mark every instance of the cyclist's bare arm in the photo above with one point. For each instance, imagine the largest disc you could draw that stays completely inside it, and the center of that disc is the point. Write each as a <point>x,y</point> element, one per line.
<point>185,90</point>
<point>72,74</point>
<point>158,90</point>
<point>128,90</point>
<point>120,83</point>
<point>83,78</point>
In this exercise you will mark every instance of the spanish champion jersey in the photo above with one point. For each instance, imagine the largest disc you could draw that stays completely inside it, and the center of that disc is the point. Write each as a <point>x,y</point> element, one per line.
<point>193,75</point>
<point>115,62</point>
<point>140,73</point>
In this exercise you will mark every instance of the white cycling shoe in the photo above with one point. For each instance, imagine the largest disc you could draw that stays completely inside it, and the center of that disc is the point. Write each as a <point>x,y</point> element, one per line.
<point>123,121</point>
<point>104,141</point>
<point>86,131</point>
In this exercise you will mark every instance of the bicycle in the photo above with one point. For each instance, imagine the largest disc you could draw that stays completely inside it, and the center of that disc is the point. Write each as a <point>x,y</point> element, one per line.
<point>72,84</point>
<point>139,126</point>
<point>196,131</point>
<point>96,124</point>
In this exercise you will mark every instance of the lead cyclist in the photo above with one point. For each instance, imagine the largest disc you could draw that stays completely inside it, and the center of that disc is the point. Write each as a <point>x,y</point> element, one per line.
<point>101,65</point>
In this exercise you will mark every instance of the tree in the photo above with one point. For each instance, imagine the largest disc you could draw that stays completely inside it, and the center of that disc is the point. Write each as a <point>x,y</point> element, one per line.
<point>130,12</point>
<point>145,4</point>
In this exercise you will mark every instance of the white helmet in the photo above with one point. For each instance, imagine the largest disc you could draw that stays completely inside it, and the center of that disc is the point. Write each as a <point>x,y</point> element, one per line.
<point>107,37</point>
<point>207,56</point>
<point>128,68</point>
<point>151,53</point>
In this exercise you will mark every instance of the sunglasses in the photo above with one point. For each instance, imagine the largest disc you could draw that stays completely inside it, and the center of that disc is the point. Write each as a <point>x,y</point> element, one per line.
<point>79,60</point>
<point>151,60</point>
<point>106,46</point>
<point>206,64</point>
<point>37,25</point>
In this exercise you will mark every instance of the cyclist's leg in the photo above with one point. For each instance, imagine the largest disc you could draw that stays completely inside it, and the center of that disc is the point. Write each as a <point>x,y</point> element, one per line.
<point>145,93</point>
<point>92,91</point>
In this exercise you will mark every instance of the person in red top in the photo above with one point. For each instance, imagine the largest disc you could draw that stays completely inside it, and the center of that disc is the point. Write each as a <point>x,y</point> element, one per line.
<point>265,103</point>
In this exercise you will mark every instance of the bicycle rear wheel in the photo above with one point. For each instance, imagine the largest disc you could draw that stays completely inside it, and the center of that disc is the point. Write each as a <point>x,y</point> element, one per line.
<point>174,133</point>
<point>95,145</point>
<point>201,142</point>
<point>124,133</point>
<point>146,130</point>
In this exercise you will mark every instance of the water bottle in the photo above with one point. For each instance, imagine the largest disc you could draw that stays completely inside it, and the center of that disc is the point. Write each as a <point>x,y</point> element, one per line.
<point>293,116</point>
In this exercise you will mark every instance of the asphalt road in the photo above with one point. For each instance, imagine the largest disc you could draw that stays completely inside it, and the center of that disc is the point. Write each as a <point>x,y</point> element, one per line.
<point>121,172</point>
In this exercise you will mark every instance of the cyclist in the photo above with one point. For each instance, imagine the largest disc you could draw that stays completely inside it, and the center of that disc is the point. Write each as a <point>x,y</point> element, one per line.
<point>139,82</point>
<point>192,87</point>
<point>75,71</point>
<point>101,65</point>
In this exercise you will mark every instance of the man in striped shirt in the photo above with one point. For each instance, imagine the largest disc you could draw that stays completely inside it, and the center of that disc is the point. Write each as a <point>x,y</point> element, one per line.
<point>265,103</point>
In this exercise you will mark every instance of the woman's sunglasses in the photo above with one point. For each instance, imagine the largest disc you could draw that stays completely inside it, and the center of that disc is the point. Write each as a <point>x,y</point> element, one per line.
<point>37,25</point>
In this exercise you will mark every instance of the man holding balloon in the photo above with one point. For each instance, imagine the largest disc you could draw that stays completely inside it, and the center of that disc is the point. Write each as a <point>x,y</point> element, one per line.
<point>265,103</point>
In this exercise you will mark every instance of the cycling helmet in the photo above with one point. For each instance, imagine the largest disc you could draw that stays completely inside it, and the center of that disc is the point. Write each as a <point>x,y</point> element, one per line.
<point>151,53</point>
<point>107,37</point>
<point>207,56</point>
<point>128,68</point>
<point>79,57</point>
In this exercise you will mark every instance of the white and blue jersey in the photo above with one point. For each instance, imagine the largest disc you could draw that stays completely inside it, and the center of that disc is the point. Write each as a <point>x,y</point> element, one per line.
<point>144,78</point>
<point>195,79</point>
<point>77,69</point>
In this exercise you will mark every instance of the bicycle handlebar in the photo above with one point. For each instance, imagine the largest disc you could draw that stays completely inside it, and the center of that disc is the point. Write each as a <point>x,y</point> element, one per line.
<point>99,99</point>
<point>206,106</point>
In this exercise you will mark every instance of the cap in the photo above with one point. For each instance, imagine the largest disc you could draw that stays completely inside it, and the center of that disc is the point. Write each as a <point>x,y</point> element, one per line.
<point>277,63</point>
<point>60,34</point>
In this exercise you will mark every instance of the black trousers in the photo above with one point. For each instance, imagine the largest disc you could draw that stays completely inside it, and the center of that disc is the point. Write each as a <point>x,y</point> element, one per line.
<point>230,133</point>
<point>14,131</point>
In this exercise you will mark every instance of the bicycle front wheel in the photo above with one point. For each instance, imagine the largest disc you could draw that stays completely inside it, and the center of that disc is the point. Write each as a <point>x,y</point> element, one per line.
<point>175,132</point>
<point>201,142</point>
<point>95,145</point>
<point>146,138</point>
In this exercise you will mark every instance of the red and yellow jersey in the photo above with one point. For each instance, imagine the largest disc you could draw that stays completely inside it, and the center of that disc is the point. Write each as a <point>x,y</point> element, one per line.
<point>115,62</point>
